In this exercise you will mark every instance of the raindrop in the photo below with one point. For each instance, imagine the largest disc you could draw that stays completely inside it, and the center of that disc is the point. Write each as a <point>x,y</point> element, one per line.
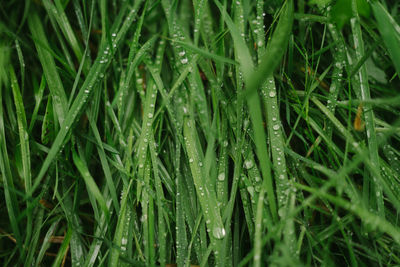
<point>248,164</point>
<point>276,127</point>
<point>221,176</point>
<point>184,60</point>
<point>218,232</point>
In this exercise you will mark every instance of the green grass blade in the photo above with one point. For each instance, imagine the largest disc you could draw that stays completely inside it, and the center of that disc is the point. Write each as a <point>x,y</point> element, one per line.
<point>49,67</point>
<point>390,31</point>
<point>206,195</point>
<point>90,183</point>
<point>96,73</point>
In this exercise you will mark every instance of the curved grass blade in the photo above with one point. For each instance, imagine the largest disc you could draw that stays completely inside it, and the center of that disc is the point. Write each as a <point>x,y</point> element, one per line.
<point>390,31</point>
<point>56,88</point>
<point>90,183</point>
<point>10,197</point>
<point>95,75</point>
<point>363,91</point>
<point>206,195</point>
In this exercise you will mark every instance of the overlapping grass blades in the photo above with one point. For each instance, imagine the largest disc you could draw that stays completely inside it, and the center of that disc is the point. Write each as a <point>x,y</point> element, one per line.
<point>198,133</point>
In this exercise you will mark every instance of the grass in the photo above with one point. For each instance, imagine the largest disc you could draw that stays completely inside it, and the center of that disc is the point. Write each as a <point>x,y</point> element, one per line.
<point>199,133</point>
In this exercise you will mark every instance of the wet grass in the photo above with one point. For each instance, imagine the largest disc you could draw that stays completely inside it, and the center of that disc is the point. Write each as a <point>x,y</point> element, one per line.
<point>210,133</point>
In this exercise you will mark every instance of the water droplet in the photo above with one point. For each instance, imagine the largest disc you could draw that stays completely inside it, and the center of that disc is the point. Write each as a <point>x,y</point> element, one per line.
<point>218,232</point>
<point>150,115</point>
<point>276,127</point>
<point>248,164</point>
<point>184,60</point>
<point>113,34</point>
<point>221,176</point>
<point>191,160</point>
<point>272,94</point>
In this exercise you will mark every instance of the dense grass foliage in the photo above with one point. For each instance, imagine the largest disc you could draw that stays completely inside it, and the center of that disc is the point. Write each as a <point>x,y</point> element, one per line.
<point>210,133</point>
